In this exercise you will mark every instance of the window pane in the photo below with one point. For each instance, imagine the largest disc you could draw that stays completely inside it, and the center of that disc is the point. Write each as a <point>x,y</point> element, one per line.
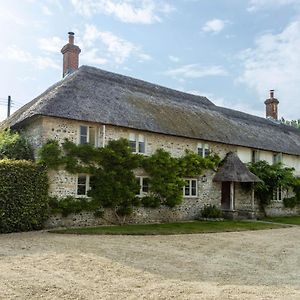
<point>92,136</point>
<point>81,179</point>
<point>200,151</point>
<point>83,130</point>
<point>187,188</point>
<point>206,152</point>
<point>83,139</point>
<point>81,190</point>
<point>132,145</point>
<point>194,187</point>
<point>145,187</point>
<point>141,147</point>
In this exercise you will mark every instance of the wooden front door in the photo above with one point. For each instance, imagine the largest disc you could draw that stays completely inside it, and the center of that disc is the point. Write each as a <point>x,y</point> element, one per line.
<point>225,199</point>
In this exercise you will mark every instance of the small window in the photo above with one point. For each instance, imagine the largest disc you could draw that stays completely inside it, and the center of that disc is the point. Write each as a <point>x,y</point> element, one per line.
<point>203,150</point>
<point>137,143</point>
<point>144,185</point>
<point>255,156</point>
<point>277,158</point>
<point>191,187</point>
<point>82,184</point>
<point>88,135</point>
<point>278,194</point>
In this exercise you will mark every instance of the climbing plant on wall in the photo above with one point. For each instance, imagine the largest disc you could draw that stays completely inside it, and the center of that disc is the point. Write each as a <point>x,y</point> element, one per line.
<point>273,177</point>
<point>113,183</point>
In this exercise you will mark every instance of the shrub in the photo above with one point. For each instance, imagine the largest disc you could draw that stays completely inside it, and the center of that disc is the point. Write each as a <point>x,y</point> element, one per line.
<point>14,145</point>
<point>291,202</point>
<point>211,212</point>
<point>23,196</point>
<point>69,205</point>
<point>150,201</point>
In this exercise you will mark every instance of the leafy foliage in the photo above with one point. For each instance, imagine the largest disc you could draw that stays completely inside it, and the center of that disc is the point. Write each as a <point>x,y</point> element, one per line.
<point>69,205</point>
<point>211,212</point>
<point>14,145</point>
<point>113,183</point>
<point>273,177</point>
<point>23,196</point>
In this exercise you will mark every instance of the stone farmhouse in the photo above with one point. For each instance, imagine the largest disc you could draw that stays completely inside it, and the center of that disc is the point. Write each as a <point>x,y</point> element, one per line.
<point>93,106</point>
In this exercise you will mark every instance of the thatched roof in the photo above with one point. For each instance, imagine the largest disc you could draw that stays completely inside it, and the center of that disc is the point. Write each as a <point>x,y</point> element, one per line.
<point>91,94</point>
<point>232,169</point>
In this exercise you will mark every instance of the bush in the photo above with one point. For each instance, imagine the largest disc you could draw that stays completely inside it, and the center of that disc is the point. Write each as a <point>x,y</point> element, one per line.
<point>69,205</point>
<point>150,201</point>
<point>211,212</point>
<point>291,202</point>
<point>14,145</point>
<point>23,196</point>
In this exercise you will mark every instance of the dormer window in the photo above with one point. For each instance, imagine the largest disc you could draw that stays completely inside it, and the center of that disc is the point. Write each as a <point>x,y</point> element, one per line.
<point>87,135</point>
<point>277,158</point>
<point>203,150</point>
<point>137,143</point>
<point>255,156</point>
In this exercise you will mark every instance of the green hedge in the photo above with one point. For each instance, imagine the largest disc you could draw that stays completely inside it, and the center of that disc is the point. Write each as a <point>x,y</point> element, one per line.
<point>23,196</point>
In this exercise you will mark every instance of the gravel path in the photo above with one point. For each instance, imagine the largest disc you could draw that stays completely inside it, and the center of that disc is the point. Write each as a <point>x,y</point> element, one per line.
<point>244,265</point>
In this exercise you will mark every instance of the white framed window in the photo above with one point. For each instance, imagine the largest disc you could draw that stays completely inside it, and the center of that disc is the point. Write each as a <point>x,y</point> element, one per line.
<point>143,181</point>
<point>191,188</point>
<point>277,158</point>
<point>203,150</point>
<point>83,185</point>
<point>137,143</point>
<point>87,135</point>
<point>255,156</point>
<point>278,194</point>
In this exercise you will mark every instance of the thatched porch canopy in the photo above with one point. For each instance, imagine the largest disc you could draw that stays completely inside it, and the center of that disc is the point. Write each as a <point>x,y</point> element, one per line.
<point>234,170</point>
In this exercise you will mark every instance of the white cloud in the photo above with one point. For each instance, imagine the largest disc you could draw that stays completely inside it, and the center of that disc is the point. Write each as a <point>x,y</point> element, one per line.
<point>265,4</point>
<point>274,63</point>
<point>46,11</point>
<point>214,26</point>
<point>115,47</point>
<point>16,54</point>
<point>174,58</point>
<point>91,57</point>
<point>46,63</point>
<point>196,71</point>
<point>53,44</point>
<point>128,11</point>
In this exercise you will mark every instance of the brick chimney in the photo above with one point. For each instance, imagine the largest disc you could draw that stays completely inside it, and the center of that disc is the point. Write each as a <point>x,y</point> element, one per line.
<point>272,107</point>
<point>71,56</point>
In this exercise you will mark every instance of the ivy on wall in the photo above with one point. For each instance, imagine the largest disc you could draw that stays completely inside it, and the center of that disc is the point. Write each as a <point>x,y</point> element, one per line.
<point>273,177</point>
<point>113,183</point>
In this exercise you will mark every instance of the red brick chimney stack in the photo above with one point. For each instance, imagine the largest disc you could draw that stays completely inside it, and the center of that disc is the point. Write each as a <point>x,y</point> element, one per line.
<point>272,107</point>
<point>70,56</point>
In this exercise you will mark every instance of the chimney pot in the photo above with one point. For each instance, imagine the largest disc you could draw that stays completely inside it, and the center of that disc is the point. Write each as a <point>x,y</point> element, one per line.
<point>271,94</point>
<point>70,55</point>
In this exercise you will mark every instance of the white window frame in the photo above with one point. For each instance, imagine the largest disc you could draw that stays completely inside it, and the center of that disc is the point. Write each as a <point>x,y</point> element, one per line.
<point>87,185</point>
<point>88,135</point>
<point>190,188</point>
<point>137,138</point>
<point>255,155</point>
<point>203,148</point>
<point>141,180</point>
<point>279,194</point>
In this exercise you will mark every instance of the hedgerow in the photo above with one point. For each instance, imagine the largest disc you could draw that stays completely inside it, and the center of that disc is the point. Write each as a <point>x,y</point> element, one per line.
<point>23,196</point>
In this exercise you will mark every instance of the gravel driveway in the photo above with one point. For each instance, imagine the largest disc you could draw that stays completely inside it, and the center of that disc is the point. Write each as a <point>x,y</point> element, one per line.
<point>243,265</point>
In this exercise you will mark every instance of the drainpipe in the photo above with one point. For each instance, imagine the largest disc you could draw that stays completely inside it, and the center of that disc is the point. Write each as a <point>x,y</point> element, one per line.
<point>103,135</point>
<point>231,207</point>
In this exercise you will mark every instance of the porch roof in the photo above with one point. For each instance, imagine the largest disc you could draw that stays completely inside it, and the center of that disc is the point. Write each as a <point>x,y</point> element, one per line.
<point>234,170</point>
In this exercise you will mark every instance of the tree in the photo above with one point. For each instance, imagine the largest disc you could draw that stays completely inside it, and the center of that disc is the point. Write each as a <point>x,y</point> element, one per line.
<point>14,145</point>
<point>273,177</point>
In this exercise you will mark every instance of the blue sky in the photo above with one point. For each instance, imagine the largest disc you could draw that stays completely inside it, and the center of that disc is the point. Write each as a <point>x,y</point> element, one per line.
<point>232,51</point>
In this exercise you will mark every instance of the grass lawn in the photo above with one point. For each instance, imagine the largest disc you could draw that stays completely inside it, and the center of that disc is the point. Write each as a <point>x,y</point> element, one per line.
<point>295,220</point>
<point>171,228</point>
